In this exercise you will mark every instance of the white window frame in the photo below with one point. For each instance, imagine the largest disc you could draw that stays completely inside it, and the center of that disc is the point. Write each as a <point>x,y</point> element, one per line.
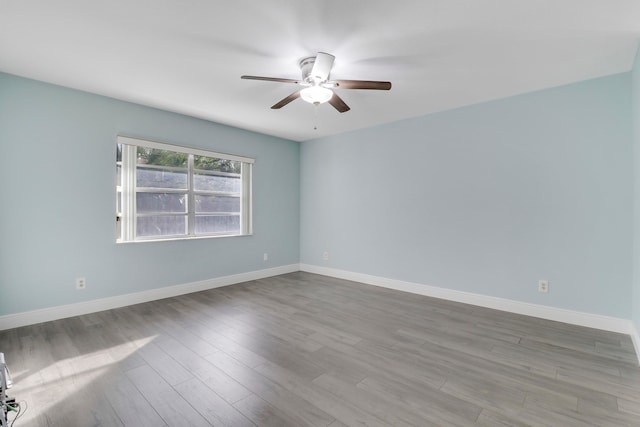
<point>126,218</point>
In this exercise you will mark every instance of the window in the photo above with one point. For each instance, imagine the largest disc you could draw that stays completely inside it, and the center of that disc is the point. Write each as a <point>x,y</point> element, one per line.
<point>169,192</point>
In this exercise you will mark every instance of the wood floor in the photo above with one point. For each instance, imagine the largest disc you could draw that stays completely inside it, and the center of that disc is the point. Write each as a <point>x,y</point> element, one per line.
<point>308,350</point>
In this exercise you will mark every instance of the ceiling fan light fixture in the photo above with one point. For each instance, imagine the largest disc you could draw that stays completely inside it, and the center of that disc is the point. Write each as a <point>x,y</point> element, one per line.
<point>316,94</point>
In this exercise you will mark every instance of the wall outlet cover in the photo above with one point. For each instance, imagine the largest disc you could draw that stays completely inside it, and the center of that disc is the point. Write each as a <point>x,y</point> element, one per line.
<point>543,286</point>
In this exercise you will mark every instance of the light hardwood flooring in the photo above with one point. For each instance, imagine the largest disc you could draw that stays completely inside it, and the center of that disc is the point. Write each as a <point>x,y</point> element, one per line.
<point>308,350</point>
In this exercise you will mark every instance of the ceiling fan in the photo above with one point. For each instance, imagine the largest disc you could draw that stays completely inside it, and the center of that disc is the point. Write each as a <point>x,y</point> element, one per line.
<point>317,85</point>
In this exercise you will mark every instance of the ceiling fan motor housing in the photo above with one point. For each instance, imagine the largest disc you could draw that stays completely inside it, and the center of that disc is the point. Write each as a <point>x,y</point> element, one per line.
<point>306,66</point>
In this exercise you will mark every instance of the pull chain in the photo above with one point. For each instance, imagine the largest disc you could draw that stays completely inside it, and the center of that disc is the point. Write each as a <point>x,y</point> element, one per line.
<point>315,115</point>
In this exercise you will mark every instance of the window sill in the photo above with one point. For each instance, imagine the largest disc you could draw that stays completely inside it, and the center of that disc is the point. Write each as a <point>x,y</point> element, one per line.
<point>174,239</point>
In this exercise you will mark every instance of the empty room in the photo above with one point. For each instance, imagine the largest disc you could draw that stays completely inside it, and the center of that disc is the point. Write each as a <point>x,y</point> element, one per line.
<point>320,213</point>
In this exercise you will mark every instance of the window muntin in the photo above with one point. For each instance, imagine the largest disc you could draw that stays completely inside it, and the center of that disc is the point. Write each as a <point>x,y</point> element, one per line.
<point>171,192</point>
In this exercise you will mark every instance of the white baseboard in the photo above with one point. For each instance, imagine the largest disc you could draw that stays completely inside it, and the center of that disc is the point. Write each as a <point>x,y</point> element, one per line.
<point>596,321</point>
<point>635,338</point>
<point>544,312</point>
<point>10,321</point>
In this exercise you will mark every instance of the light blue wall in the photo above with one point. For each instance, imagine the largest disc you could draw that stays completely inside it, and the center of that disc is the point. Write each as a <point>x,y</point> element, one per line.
<point>636,192</point>
<point>485,199</point>
<point>58,199</point>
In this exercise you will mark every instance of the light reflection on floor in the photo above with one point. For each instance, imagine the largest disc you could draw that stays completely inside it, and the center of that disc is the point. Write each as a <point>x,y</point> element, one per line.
<point>80,372</point>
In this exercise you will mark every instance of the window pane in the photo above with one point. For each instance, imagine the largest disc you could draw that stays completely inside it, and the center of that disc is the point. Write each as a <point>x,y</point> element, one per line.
<point>205,163</point>
<point>158,177</point>
<point>119,165</point>
<point>161,168</point>
<point>161,225</point>
<point>211,204</point>
<point>118,175</point>
<point>217,224</point>
<point>161,202</point>
<point>154,156</point>
<point>212,174</point>
<point>212,182</point>
<point>118,215</point>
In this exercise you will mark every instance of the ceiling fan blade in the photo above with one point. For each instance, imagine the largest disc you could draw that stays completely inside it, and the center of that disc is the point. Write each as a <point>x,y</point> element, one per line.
<point>362,84</point>
<point>338,103</point>
<point>271,79</point>
<point>322,67</point>
<point>285,101</point>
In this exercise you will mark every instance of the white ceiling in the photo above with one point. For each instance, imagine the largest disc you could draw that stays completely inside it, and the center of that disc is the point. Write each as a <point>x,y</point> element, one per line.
<point>187,56</point>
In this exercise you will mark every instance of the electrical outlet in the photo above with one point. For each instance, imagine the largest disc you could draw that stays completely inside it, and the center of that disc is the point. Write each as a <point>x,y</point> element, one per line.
<point>265,257</point>
<point>81,283</point>
<point>543,286</point>
<point>325,256</point>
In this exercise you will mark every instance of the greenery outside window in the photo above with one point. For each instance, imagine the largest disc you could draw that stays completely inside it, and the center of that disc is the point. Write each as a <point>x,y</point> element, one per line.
<point>170,192</point>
